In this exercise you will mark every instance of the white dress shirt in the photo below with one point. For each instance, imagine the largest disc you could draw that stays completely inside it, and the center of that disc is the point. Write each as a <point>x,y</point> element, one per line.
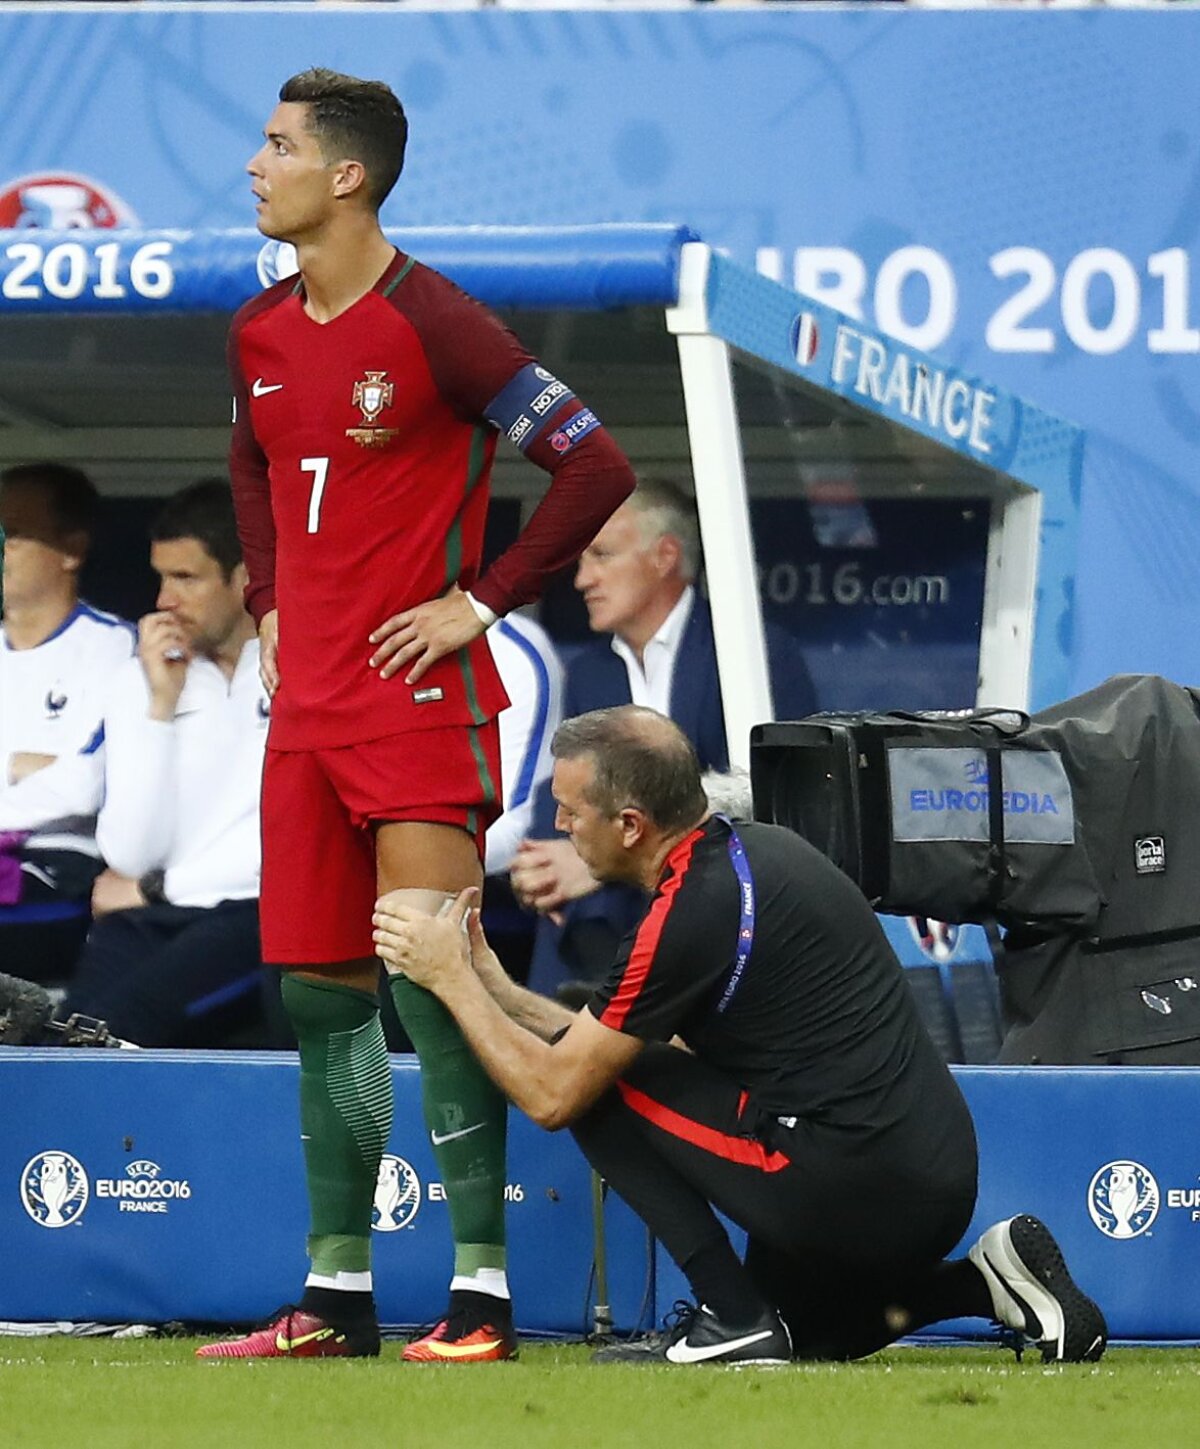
<point>650,680</point>
<point>182,796</point>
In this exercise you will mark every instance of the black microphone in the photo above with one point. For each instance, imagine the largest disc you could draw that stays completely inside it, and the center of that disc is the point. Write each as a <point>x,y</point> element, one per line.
<point>25,1009</point>
<point>26,1019</point>
<point>84,1031</point>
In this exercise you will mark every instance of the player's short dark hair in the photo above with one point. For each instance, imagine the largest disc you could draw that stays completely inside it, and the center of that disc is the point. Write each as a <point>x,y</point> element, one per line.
<point>69,493</point>
<point>642,761</point>
<point>354,119</point>
<point>203,511</point>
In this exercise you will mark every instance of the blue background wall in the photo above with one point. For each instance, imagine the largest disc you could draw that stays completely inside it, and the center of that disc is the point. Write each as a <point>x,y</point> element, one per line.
<point>870,130</point>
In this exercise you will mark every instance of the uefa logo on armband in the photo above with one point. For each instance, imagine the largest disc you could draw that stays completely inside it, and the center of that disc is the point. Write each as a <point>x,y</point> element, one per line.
<point>397,1195</point>
<point>1123,1199</point>
<point>54,1189</point>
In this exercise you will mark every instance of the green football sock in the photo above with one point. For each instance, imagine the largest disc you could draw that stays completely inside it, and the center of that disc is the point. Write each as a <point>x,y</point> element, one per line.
<point>467,1117</point>
<point>345,1115</point>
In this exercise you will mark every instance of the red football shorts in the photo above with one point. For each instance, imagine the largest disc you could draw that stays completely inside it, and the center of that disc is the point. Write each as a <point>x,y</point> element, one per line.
<point>318,808</point>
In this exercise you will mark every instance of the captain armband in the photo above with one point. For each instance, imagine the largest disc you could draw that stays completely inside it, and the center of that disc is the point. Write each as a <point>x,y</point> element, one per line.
<point>525,408</point>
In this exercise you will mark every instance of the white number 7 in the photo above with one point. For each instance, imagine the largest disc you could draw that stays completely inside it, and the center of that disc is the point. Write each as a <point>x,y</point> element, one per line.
<point>319,468</point>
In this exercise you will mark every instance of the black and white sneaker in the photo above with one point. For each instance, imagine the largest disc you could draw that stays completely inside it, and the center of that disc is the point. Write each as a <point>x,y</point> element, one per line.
<point>1034,1294</point>
<point>697,1335</point>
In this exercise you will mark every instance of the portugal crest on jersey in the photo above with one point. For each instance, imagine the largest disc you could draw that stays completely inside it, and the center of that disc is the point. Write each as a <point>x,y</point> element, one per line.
<point>372,395</point>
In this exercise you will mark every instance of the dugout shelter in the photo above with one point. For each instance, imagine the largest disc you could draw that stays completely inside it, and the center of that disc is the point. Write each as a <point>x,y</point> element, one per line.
<point>913,526</point>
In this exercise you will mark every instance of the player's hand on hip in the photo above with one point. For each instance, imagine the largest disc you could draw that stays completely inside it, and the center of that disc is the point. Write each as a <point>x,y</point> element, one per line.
<point>422,947</point>
<point>420,637</point>
<point>165,653</point>
<point>268,652</point>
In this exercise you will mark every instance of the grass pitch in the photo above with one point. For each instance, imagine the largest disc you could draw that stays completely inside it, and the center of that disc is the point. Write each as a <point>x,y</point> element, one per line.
<point>129,1394</point>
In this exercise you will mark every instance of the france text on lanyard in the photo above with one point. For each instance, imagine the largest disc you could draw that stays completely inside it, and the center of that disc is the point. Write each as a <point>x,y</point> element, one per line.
<point>745,938</point>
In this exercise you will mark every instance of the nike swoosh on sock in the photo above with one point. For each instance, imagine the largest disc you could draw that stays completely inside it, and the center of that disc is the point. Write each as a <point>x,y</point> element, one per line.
<point>438,1138</point>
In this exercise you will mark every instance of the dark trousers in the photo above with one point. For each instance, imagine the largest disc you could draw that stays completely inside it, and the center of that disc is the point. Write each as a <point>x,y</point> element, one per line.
<point>850,1262</point>
<point>43,951</point>
<point>166,975</point>
<point>41,937</point>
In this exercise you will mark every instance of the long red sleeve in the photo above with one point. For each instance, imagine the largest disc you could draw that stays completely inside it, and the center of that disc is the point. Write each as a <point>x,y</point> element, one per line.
<point>588,484</point>
<point>487,373</point>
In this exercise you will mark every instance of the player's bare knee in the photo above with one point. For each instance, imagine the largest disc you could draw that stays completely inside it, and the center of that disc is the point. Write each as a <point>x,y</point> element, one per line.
<point>430,902</point>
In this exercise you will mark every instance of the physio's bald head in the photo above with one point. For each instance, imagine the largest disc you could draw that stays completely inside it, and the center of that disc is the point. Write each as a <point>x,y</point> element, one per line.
<point>641,760</point>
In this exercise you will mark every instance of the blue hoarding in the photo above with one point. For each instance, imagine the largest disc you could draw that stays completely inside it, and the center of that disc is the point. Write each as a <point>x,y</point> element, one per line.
<point>163,1185</point>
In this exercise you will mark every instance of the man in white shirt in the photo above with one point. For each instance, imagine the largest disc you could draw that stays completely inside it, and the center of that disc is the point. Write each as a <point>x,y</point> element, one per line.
<point>637,578</point>
<point>57,655</point>
<point>173,957</point>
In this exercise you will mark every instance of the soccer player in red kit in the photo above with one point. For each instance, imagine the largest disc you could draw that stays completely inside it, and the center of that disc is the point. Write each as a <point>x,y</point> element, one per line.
<point>368,396</point>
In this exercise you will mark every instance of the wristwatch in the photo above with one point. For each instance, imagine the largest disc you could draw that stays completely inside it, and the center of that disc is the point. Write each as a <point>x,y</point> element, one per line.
<point>151,887</point>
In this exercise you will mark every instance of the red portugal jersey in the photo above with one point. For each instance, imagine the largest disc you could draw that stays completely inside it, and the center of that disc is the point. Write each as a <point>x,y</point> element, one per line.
<point>360,461</point>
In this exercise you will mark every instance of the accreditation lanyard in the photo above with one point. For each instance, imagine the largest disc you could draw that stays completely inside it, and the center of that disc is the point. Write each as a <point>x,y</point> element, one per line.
<point>745,938</point>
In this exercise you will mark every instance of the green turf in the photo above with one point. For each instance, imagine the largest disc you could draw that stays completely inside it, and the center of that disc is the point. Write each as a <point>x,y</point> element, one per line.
<point>99,1393</point>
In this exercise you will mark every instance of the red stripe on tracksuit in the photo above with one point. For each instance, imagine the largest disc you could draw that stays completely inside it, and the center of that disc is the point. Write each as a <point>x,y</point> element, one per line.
<point>744,1150</point>
<point>637,968</point>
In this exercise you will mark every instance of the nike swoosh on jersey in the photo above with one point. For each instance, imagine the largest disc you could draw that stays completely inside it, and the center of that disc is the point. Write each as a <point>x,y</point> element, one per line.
<point>683,1352</point>
<point>261,388</point>
<point>289,1345</point>
<point>438,1138</point>
<point>461,1350</point>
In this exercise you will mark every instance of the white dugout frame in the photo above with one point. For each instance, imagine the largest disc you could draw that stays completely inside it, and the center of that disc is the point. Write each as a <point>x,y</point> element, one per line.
<point>722,309</point>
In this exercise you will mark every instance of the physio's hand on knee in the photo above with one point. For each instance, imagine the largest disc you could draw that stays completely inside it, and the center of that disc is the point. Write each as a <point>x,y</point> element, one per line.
<point>425,948</point>
<point>488,966</point>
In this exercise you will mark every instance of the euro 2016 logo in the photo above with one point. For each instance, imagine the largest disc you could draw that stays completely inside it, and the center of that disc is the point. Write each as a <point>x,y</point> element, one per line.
<point>54,1189</point>
<point>61,201</point>
<point>397,1195</point>
<point>1123,1199</point>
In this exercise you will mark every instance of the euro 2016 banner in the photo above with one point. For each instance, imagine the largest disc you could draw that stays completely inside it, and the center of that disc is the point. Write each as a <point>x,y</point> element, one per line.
<point>1017,193</point>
